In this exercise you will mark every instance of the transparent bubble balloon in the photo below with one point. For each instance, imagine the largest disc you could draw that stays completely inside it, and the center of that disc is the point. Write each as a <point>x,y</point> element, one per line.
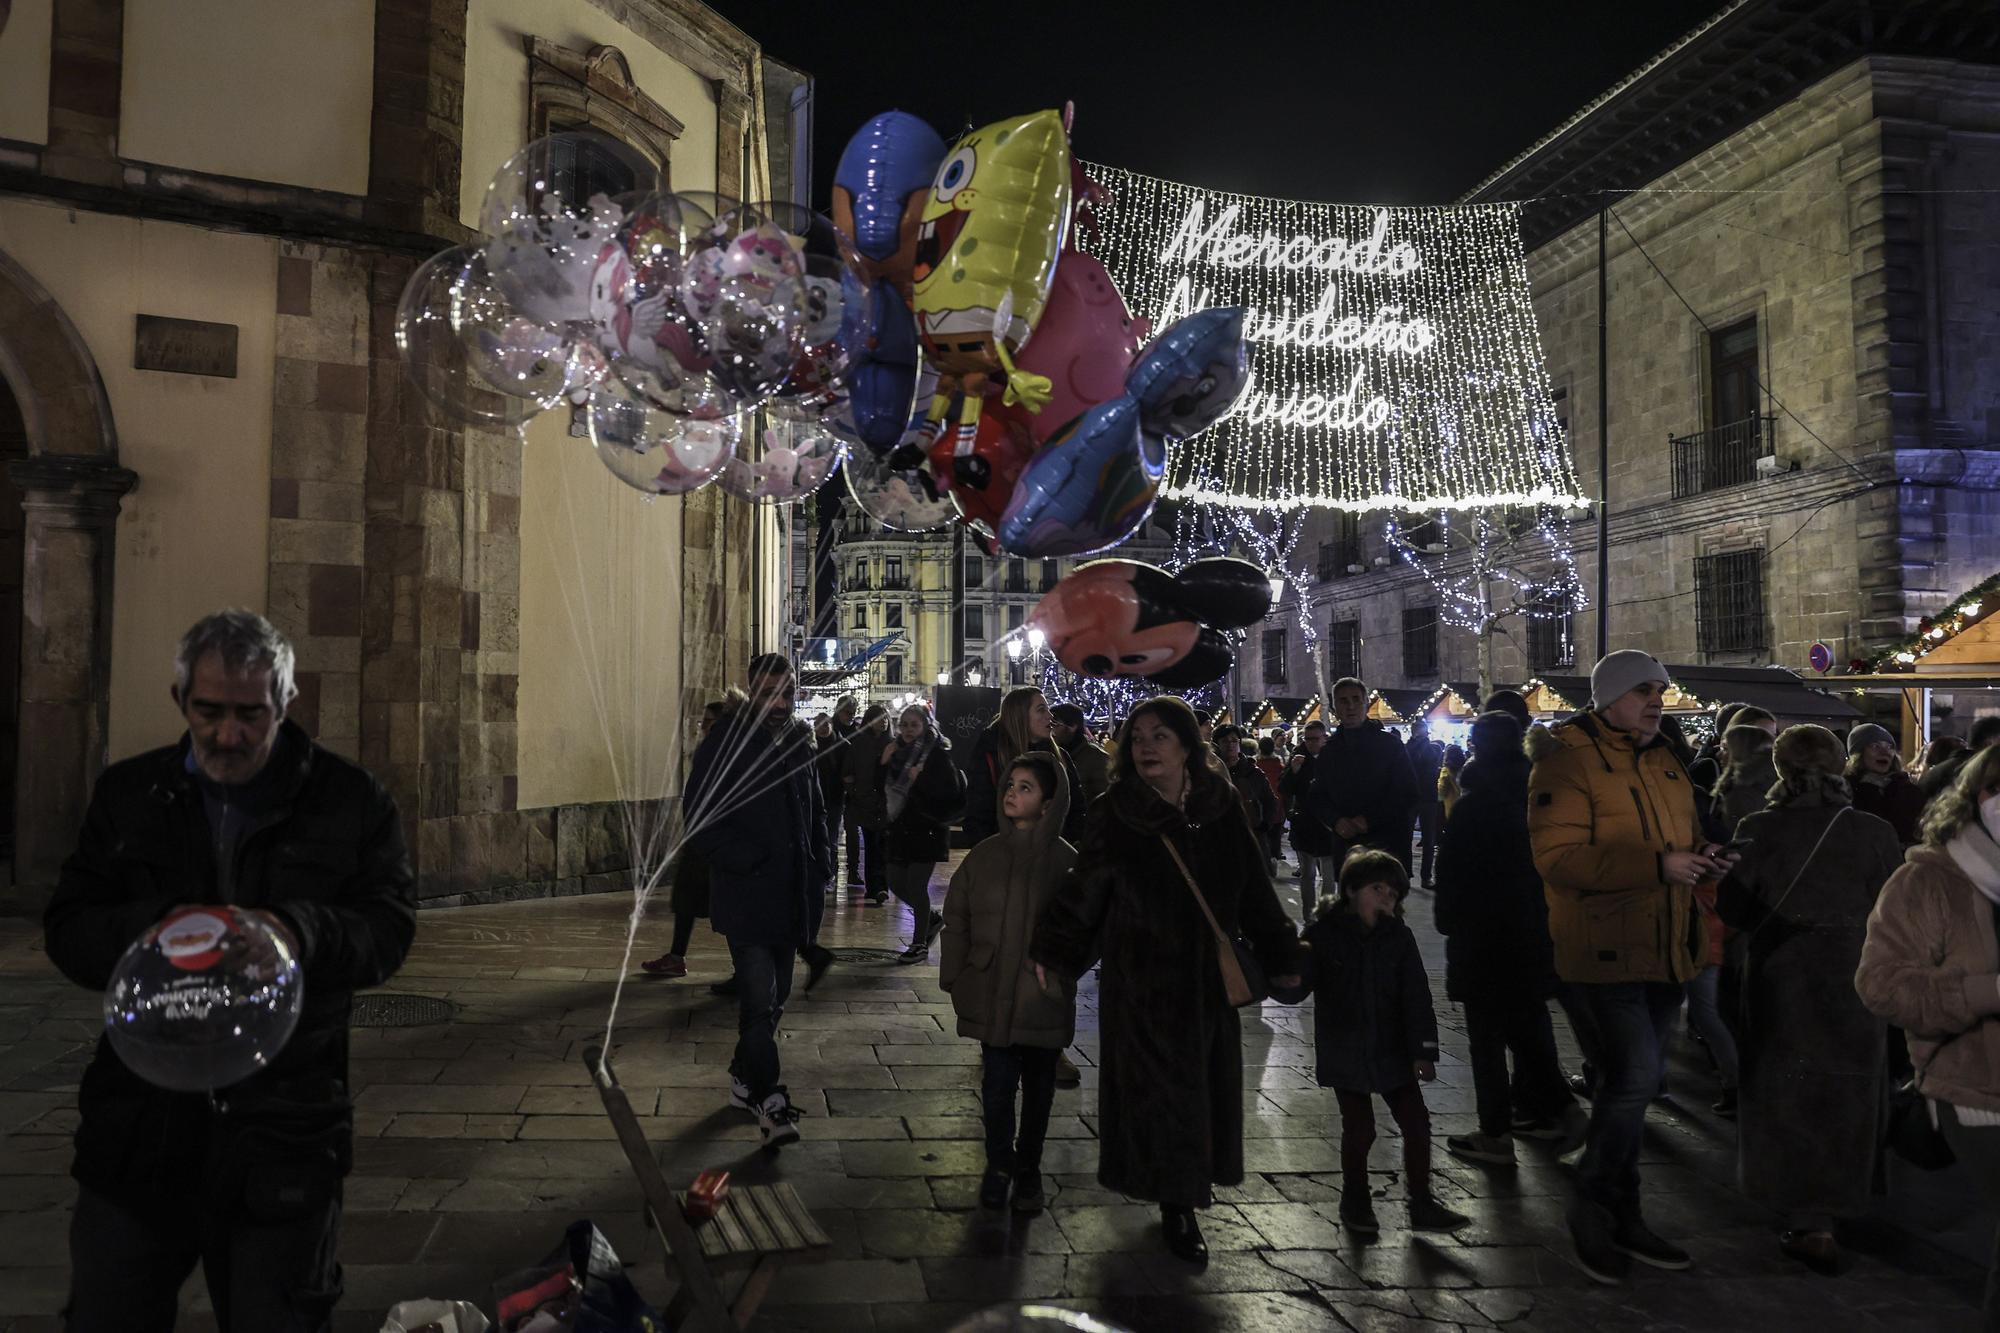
<point>1034,1319</point>
<point>548,215</point>
<point>900,501</point>
<point>658,452</point>
<point>755,335</point>
<point>786,455</point>
<point>203,1000</point>
<point>637,317</point>
<point>472,355</point>
<point>836,329</point>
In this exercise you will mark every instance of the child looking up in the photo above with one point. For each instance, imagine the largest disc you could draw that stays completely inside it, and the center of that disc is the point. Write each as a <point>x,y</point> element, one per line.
<point>990,912</point>
<point>1375,1033</point>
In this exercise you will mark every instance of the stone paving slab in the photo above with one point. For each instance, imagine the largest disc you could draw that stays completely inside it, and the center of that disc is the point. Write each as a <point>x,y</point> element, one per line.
<point>481,1138</point>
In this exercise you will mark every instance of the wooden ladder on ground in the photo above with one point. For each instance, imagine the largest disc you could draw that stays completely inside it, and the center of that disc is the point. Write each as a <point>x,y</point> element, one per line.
<point>757,1229</point>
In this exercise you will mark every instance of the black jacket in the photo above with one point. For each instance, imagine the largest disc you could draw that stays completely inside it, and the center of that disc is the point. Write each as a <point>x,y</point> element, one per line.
<point>1372,1020</point>
<point>754,815</point>
<point>921,832</point>
<point>1309,836</point>
<point>1490,906</point>
<point>327,857</point>
<point>1365,772</point>
<point>982,790</point>
<point>1260,807</point>
<point>832,763</point>
<point>1426,758</point>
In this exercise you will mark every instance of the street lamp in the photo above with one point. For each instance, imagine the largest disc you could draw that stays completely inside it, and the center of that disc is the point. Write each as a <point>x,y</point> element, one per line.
<point>1014,649</point>
<point>1277,588</point>
<point>974,677</point>
<point>944,677</point>
<point>1036,639</point>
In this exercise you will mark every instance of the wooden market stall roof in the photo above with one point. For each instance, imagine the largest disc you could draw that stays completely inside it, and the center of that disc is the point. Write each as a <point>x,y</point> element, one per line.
<point>1698,688</point>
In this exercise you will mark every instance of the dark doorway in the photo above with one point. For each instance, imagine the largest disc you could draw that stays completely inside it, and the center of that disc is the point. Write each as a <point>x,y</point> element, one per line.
<point>13,445</point>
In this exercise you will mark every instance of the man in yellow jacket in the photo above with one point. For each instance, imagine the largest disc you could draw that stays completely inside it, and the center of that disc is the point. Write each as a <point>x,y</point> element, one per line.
<point>1612,817</point>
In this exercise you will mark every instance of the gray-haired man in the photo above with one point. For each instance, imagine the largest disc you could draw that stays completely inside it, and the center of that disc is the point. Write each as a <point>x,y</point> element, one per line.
<point>245,809</point>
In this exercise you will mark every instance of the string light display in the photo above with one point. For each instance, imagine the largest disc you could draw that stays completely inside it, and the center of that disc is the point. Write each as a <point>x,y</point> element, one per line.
<point>1396,362</point>
<point>1967,610</point>
<point>1494,564</point>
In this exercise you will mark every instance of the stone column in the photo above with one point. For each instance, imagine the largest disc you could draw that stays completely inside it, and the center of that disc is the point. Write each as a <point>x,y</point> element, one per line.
<point>71,504</point>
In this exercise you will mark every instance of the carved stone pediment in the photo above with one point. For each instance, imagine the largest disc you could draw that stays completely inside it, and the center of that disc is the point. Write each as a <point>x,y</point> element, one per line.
<point>604,73</point>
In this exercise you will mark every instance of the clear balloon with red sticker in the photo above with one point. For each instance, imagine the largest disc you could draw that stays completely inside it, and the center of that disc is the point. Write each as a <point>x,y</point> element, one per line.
<point>204,999</point>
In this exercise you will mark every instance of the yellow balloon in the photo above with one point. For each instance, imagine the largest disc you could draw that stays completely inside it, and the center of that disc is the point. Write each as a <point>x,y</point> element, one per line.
<point>991,227</point>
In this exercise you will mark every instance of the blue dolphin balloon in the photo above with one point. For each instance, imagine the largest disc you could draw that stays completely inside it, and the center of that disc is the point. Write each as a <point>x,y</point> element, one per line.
<point>1191,375</point>
<point>1089,488</point>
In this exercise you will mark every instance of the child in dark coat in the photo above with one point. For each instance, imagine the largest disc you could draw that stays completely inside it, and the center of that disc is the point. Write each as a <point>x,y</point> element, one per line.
<point>1376,1033</point>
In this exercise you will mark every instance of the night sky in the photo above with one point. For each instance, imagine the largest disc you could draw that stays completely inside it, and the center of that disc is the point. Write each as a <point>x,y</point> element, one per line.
<point>1397,103</point>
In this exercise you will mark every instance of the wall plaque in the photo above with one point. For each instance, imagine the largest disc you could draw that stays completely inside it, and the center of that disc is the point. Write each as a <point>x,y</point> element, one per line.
<point>184,346</point>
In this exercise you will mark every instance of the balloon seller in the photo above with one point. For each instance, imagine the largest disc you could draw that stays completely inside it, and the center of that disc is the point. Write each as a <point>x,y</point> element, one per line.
<point>300,855</point>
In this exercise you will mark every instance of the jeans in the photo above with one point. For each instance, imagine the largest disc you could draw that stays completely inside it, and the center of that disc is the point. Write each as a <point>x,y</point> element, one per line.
<point>1520,1024</point>
<point>763,984</point>
<point>1978,1149</point>
<point>1583,1024</point>
<point>1430,818</point>
<point>1357,1136</point>
<point>1706,1018</point>
<point>1635,1023</point>
<point>910,881</point>
<point>1033,1070</point>
<point>1313,869</point>
<point>127,1265</point>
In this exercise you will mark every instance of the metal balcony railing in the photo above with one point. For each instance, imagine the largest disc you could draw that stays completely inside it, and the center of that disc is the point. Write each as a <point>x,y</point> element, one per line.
<point>896,583</point>
<point>1335,558</point>
<point>1725,456</point>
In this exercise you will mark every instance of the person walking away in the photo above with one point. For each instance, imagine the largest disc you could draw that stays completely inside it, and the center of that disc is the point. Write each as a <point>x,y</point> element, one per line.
<point>753,814</point>
<point>1273,769</point>
<point>1312,840</point>
<point>246,1181</point>
<point>1984,735</point>
<point>1931,965</point>
<point>1426,763</point>
<point>1612,821</point>
<point>1499,961</point>
<point>1451,779</point>
<point>996,897</point>
<point>1091,764</point>
<point>1813,1056</point>
<point>1024,723</point>
<point>1260,807</point>
<point>1363,788</point>
<point>841,729</point>
<point>866,810</point>
<point>689,895</point>
<point>922,793</point>
<point>1880,786</point>
<point>1168,837</point>
<point>1375,1033</point>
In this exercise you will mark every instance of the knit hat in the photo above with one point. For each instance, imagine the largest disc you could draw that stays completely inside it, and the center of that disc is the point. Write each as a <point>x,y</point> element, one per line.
<point>1619,672</point>
<point>1866,735</point>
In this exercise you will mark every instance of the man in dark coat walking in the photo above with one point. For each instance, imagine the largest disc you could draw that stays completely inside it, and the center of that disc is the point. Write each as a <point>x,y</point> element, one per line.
<point>841,728</point>
<point>1363,788</point>
<point>1312,840</point>
<point>245,810</point>
<point>1426,758</point>
<point>753,811</point>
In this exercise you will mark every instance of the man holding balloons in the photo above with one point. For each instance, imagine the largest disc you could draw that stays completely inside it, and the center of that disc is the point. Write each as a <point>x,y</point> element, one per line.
<point>229,894</point>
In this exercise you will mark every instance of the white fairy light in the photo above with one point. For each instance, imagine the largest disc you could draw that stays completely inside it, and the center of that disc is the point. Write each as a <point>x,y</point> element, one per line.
<point>1396,362</point>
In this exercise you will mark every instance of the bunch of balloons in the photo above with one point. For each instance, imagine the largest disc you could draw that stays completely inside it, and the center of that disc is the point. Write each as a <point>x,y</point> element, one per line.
<point>704,339</point>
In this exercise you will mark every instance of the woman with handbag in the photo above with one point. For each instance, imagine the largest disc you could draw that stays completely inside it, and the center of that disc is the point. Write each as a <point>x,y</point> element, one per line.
<point>1931,965</point>
<point>1169,875</point>
<point>1812,1055</point>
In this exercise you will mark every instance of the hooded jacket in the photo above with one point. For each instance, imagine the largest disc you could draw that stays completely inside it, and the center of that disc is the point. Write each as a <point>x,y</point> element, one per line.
<point>996,897</point>
<point>1603,812</point>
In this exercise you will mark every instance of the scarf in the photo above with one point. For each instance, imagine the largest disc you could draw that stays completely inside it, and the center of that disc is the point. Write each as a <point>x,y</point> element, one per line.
<point>1975,852</point>
<point>904,766</point>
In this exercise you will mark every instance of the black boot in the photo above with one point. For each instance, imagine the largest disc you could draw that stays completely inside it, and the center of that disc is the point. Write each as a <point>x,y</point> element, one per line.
<point>1183,1234</point>
<point>993,1189</point>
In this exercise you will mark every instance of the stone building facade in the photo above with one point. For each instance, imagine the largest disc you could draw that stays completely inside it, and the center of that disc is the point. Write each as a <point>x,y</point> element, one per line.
<point>1803,273</point>
<point>151,165</point>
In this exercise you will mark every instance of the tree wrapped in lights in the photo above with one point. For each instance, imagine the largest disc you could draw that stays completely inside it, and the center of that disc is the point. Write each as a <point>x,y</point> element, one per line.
<point>1490,566</point>
<point>1396,361</point>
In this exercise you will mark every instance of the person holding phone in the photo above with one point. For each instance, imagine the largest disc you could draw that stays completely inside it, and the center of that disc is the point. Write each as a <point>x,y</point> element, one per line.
<point>1620,847</point>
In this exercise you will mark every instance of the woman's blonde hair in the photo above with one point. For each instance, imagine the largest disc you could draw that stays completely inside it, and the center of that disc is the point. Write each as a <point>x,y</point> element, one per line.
<point>1015,738</point>
<point>1958,805</point>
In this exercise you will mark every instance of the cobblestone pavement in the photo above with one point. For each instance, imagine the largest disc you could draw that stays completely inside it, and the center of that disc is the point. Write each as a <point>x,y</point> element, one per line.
<point>480,1139</point>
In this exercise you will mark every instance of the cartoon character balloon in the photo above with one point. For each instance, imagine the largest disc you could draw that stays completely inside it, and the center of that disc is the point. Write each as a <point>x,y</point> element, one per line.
<point>655,451</point>
<point>1084,345</point>
<point>1192,374</point>
<point>1124,618</point>
<point>1089,488</point>
<point>982,481</point>
<point>993,224</point>
<point>544,235</point>
<point>786,455</point>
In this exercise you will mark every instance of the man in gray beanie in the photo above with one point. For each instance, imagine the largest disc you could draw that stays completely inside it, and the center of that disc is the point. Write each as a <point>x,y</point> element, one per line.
<point>1618,841</point>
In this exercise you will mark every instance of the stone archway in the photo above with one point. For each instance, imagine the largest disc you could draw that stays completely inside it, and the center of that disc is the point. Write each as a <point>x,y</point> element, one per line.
<point>70,486</point>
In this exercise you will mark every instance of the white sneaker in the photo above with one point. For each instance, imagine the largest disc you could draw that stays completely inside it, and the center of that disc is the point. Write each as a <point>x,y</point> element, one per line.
<point>739,1093</point>
<point>778,1119</point>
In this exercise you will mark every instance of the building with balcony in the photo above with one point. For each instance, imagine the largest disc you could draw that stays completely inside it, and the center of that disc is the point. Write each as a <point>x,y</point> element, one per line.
<point>1803,292</point>
<point>208,212</point>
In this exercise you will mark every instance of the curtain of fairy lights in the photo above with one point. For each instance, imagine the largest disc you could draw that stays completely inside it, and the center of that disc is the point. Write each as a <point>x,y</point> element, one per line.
<point>1396,361</point>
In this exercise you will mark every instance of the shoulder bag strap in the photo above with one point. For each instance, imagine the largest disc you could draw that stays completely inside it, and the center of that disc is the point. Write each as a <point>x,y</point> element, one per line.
<point>1233,980</point>
<point>1805,864</point>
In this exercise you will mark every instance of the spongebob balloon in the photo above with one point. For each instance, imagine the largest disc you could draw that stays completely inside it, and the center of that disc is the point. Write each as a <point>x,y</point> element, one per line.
<point>991,227</point>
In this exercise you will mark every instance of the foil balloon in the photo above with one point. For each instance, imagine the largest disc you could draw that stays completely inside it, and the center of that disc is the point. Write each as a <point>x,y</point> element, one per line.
<point>1084,345</point>
<point>786,456</point>
<point>900,499</point>
<point>1089,488</point>
<point>544,234</point>
<point>655,451</point>
<point>882,381</point>
<point>472,355</point>
<point>1124,618</point>
<point>1192,374</point>
<point>204,999</point>
<point>993,223</point>
<point>879,190</point>
<point>980,479</point>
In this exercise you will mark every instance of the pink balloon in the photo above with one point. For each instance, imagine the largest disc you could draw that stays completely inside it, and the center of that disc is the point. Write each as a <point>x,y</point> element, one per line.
<point>1085,343</point>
